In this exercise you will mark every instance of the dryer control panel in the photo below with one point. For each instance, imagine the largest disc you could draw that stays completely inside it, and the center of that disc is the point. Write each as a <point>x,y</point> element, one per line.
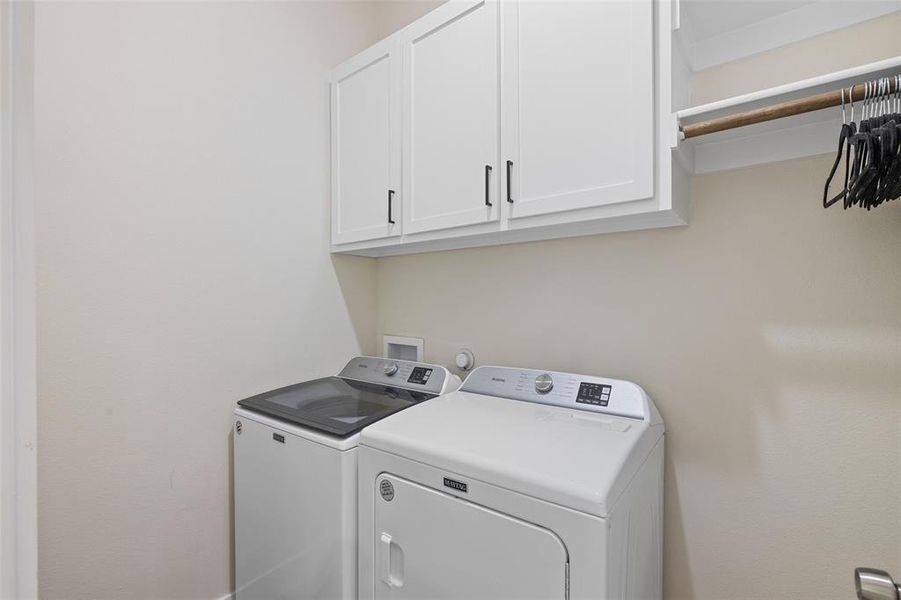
<point>580,392</point>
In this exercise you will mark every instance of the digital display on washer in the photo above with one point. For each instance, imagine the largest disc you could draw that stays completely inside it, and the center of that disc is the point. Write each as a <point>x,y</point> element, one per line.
<point>420,375</point>
<point>594,393</point>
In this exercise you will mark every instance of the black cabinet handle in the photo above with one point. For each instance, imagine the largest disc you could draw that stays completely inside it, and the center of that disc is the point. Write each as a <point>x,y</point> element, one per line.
<point>509,181</point>
<point>488,185</point>
<point>390,202</point>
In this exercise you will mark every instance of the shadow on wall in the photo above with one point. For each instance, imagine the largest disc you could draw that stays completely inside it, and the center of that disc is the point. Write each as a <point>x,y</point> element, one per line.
<point>357,279</point>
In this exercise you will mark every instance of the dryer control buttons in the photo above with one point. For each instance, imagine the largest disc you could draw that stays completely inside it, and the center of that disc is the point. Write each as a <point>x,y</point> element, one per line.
<point>544,383</point>
<point>594,393</point>
<point>389,369</point>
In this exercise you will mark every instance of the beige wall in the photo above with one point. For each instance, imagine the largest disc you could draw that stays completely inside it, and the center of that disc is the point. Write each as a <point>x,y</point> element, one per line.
<point>182,250</point>
<point>182,264</point>
<point>391,15</point>
<point>767,331</point>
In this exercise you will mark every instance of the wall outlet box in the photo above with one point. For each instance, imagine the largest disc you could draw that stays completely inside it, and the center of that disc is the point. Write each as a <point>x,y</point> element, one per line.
<point>402,348</point>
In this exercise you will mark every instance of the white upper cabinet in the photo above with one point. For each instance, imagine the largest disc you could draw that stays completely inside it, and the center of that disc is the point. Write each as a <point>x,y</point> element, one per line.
<point>366,145</point>
<point>519,120</point>
<point>578,105</point>
<point>451,117</point>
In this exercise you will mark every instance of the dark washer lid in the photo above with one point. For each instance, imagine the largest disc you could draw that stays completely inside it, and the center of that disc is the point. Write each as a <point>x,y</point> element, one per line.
<point>334,405</point>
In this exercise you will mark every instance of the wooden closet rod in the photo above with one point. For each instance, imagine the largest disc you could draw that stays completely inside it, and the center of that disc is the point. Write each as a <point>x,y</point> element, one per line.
<point>777,111</point>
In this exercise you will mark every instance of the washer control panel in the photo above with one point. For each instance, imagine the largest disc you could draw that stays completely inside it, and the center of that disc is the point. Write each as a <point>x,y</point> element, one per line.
<point>389,368</point>
<point>580,392</point>
<point>396,373</point>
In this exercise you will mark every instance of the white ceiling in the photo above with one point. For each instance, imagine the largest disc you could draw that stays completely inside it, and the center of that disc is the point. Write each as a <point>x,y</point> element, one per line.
<point>714,32</point>
<point>709,18</point>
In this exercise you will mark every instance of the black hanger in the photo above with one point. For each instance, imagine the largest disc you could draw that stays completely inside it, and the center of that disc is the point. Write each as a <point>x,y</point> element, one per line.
<point>865,170</point>
<point>873,174</point>
<point>886,137</point>
<point>891,188</point>
<point>844,143</point>
<point>845,133</point>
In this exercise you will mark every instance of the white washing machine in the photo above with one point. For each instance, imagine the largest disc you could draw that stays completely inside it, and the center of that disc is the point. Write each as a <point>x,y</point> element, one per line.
<point>523,484</point>
<point>295,475</point>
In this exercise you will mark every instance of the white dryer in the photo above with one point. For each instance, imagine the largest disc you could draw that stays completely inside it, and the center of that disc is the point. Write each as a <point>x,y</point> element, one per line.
<point>295,472</point>
<point>522,484</point>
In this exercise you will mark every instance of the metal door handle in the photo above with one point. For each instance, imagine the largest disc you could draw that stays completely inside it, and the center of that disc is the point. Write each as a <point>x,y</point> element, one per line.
<point>873,584</point>
<point>488,185</point>
<point>390,202</point>
<point>509,181</point>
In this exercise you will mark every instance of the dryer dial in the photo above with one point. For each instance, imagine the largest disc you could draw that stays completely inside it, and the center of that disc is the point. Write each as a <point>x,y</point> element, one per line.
<point>544,383</point>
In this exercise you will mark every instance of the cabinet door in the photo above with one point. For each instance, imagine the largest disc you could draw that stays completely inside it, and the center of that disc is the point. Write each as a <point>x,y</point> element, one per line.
<point>451,117</point>
<point>578,104</point>
<point>366,137</point>
<point>431,545</point>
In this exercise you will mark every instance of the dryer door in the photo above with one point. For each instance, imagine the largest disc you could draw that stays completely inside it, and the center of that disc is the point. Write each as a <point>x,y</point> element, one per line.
<point>433,545</point>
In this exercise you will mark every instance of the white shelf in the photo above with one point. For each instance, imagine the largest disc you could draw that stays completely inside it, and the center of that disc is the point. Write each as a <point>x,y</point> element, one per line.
<point>791,137</point>
<point>791,91</point>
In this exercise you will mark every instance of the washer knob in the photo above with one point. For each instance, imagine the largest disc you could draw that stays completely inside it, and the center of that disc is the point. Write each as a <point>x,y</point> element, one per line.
<point>544,383</point>
<point>389,369</point>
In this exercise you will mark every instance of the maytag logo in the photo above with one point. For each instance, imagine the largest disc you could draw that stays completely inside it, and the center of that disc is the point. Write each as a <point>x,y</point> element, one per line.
<point>500,379</point>
<point>456,485</point>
